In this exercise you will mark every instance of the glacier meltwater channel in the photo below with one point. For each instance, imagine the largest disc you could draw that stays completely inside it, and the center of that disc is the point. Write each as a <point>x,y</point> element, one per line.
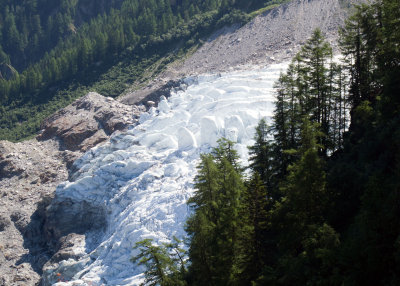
<point>144,177</point>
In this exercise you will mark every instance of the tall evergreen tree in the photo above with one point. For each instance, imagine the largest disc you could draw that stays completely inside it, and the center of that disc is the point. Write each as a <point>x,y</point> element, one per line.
<point>255,249</point>
<point>369,191</point>
<point>306,242</point>
<point>281,129</point>
<point>161,268</point>
<point>213,228</point>
<point>312,86</point>
<point>261,154</point>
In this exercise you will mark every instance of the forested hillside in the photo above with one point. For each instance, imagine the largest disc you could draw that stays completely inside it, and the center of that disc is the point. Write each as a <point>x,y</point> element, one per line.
<point>52,52</point>
<point>320,202</point>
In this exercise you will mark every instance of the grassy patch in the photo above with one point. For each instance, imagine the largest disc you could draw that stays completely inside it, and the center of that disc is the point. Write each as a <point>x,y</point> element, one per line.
<point>267,8</point>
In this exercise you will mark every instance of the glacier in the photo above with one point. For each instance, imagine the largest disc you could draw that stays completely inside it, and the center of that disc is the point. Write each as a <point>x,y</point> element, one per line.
<point>143,178</point>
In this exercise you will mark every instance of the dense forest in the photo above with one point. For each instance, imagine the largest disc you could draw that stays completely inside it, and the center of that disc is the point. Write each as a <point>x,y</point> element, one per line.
<point>319,203</point>
<point>52,52</point>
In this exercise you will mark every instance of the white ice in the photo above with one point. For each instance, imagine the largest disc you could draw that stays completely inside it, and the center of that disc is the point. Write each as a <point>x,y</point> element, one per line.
<point>143,177</point>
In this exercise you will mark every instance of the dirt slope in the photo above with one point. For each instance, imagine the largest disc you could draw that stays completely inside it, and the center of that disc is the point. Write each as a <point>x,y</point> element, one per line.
<point>273,36</point>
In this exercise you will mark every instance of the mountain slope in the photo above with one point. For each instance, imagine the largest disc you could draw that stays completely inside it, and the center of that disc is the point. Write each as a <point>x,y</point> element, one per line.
<point>274,36</point>
<point>108,51</point>
<point>212,51</point>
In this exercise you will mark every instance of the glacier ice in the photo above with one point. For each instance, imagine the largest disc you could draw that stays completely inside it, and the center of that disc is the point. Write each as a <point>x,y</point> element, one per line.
<point>142,178</point>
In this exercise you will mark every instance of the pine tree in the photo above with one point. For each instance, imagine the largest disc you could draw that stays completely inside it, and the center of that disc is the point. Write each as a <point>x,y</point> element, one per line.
<point>11,34</point>
<point>261,154</point>
<point>315,55</point>
<point>305,186</point>
<point>310,87</point>
<point>306,242</point>
<point>161,268</point>
<point>368,193</point>
<point>3,57</point>
<point>255,248</point>
<point>213,228</point>
<point>281,129</point>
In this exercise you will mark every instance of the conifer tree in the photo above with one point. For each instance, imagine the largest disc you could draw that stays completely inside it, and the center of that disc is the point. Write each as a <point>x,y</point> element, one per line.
<point>280,128</point>
<point>162,267</point>
<point>312,86</point>
<point>306,242</point>
<point>368,192</point>
<point>315,55</point>
<point>261,154</point>
<point>255,248</point>
<point>213,228</point>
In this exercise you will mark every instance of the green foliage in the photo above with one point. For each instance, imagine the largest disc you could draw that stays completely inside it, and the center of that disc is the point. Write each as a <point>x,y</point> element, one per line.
<point>305,184</point>
<point>368,192</point>
<point>312,86</point>
<point>165,265</point>
<point>214,226</point>
<point>261,154</point>
<point>254,249</point>
<point>23,119</point>
<point>306,243</point>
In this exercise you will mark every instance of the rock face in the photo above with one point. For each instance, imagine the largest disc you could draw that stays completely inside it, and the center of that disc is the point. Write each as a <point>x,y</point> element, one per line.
<point>151,94</point>
<point>29,174</point>
<point>68,216</point>
<point>88,121</point>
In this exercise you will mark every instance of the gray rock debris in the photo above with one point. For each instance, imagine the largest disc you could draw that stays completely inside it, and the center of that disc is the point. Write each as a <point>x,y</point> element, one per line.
<point>274,36</point>
<point>29,174</point>
<point>41,169</point>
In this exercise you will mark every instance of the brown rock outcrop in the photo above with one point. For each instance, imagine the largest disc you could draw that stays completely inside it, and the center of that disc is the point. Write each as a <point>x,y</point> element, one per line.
<point>88,121</point>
